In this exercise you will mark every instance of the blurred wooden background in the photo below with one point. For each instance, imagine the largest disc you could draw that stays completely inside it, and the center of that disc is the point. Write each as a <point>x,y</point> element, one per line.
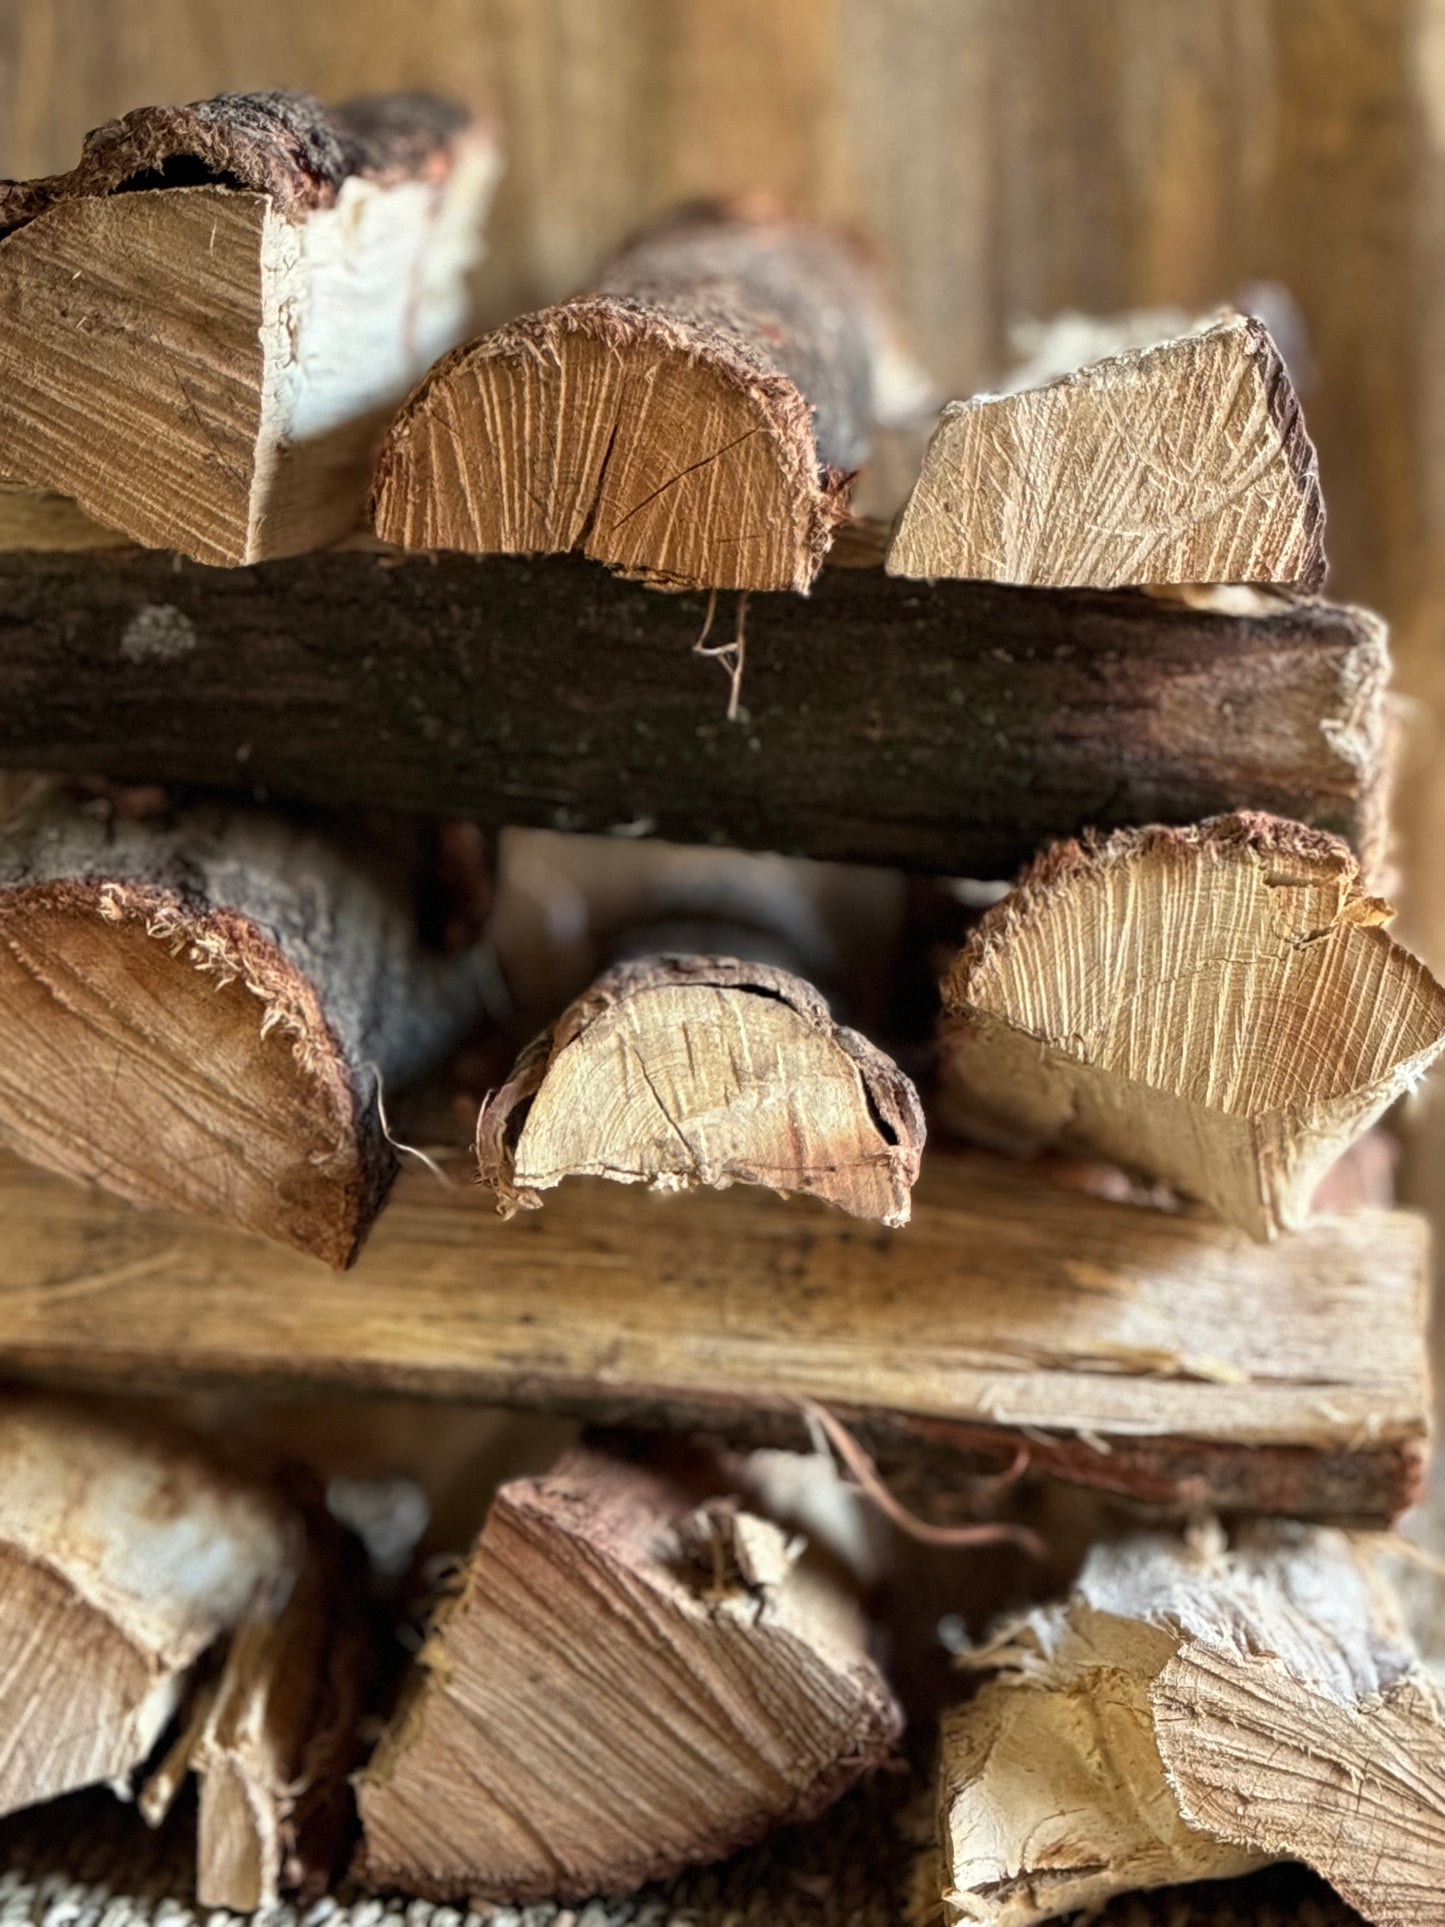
<point>1010,158</point>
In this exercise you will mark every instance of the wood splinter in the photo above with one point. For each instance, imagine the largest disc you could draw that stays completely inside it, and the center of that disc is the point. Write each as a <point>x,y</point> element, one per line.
<point>272,1738</point>
<point>637,1672</point>
<point>207,1012</point>
<point>682,1071</point>
<point>1215,1007</point>
<point>125,1555</point>
<point>208,320</point>
<point>1190,1713</point>
<point>1186,462</point>
<point>693,421</point>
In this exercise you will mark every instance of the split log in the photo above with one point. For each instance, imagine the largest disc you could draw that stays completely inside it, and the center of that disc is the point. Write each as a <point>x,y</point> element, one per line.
<point>952,729</point>
<point>125,1555</point>
<point>1192,1712</point>
<point>682,1071</point>
<point>1187,462</point>
<point>202,1013</point>
<point>692,422</point>
<point>1158,1355</point>
<point>636,1674</point>
<point>272,1738</point>
<point>209,318</point>
<point>1217,1008</point>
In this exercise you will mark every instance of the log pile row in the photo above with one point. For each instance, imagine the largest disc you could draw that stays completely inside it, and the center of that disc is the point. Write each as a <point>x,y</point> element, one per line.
<point>1136,1352</point>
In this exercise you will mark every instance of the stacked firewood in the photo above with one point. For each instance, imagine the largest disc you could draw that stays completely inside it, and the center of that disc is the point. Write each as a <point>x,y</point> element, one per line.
<point>1119,1385</point>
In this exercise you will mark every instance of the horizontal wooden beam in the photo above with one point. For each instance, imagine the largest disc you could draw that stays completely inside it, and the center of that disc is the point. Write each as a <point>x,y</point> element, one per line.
<point>952,727</point>
<point>1156,1354</point>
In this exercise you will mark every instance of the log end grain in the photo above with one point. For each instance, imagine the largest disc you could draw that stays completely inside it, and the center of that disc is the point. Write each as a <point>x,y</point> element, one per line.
<point>659,446</point>
<point>683,1071</point>
<point>1187,462</point>
<point>1218,1008</point>
<point>634,1677</point>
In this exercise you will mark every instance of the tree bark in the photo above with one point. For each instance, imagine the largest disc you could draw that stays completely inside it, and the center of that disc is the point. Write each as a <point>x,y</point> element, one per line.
<point>636,1673</point>
<point>681,1071</point>
<point>1217,1008</point>
<point>692,422</point>
<point>955,729</point>
<point>209,370</point>
<point>205,1013</point>
<point>1184,462</point>
<point>1153,1354</point>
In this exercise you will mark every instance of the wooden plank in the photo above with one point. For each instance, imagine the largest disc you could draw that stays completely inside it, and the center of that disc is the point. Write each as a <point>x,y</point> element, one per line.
<point>953,727</point>
<point>1156,1354</point>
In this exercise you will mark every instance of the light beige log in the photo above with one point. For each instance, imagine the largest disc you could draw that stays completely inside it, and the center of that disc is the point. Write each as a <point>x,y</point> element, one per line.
<point>125,1555</point>
<point>682,1071</point>
<point>1217,1007</point>
<point>208,366</point>
<point>1189,1713</point>
<point>1187,462</point>
<point>199,1011</point>
<point>635,1674</point>
<point>1152,1353</point>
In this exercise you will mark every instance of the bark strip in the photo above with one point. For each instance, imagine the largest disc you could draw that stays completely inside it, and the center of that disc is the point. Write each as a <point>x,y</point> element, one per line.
<point>954,729</point>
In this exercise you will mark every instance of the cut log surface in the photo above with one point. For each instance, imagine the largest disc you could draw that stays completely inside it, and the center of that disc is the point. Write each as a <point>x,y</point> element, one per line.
<point>953,729</point>
<point>124,1556</point>
<point>208,319</point>
<point>691,422</point>
<point>1154,1354</point>
<point>1187,462</point>
<point>201,1013</point>
<point>682,1071</point>
<point>1217,1008</point>
<point>636,1675</point>
<point>1192,1712</point>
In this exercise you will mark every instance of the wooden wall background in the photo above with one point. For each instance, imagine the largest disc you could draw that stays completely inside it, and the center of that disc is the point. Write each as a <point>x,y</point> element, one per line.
<point>1011,157</point>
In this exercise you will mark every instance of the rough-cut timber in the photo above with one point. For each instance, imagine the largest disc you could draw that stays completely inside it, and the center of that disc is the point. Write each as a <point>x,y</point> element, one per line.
<point>206,1011</point>
<point>272,1737</point>
<point>1217,1008</point>
<point>953,729</point>
<point>693,421</point>
<point>207,321</point>
<point>125,1554</point>
<point>1154,1354</point>
<point>636,1674</point>
<point>681,1071</point>
<point>1191,1712</point>
<point>1187,462</point>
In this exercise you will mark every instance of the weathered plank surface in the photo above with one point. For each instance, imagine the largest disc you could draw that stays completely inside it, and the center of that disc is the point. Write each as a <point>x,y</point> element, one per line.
<point>1159,1355</point>
<point>953,728</point>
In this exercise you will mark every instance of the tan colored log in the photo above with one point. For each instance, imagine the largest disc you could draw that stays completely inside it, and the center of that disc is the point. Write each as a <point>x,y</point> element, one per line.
<point>125,1555</point>
<point>1193,1711</point>
<point>636,1674</point>
<point>202,1011</point>
<point>692,421</point>
<point>273,1737</point>
<point>208,320</point>
<point>1216,1007</point>
<point>681,1071</point>
<point>1187,462</point>
<point>1155,1354</point>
